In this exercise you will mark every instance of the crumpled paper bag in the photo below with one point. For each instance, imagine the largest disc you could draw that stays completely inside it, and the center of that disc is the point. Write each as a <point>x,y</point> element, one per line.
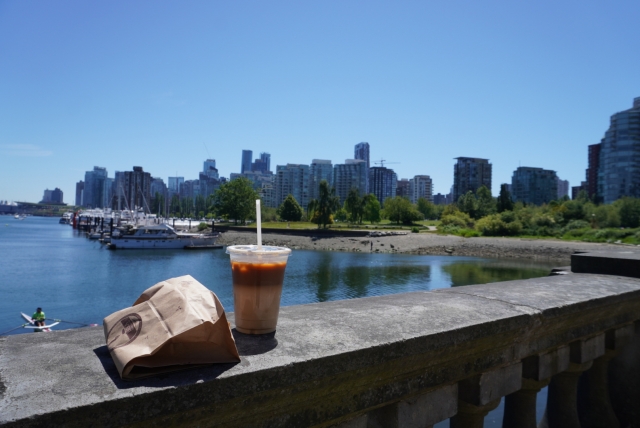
<point>176,324</point>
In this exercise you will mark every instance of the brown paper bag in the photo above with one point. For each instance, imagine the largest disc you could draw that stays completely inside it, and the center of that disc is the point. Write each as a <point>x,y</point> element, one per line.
<point>173,325</point>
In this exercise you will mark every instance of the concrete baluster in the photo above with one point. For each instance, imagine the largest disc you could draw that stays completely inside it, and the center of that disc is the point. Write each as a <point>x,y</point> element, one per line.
<point>480,394</point>
<point>562,401</point>
<point>520,406</point>
<point>537,370</point>
<point>420,411</point>
<point>594,405</point>
<point>624,382</point>
<point>470,416</point>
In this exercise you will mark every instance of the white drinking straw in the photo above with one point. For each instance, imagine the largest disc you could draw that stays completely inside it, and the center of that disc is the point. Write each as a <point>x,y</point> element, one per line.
<point>259,224</point>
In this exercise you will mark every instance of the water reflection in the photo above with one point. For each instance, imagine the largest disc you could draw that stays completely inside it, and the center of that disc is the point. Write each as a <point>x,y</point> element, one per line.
<point>486,271</point>
<point>322,275</point>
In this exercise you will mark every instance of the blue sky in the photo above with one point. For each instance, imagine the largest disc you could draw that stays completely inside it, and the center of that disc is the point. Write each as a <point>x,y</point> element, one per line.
<point>165,85</point>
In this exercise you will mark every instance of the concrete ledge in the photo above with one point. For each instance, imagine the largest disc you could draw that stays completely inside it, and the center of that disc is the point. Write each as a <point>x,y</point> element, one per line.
<point>326,364</point>
<point>623,263</point>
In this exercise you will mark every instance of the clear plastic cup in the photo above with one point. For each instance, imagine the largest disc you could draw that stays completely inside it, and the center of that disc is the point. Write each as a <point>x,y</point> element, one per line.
<point>257,286</point>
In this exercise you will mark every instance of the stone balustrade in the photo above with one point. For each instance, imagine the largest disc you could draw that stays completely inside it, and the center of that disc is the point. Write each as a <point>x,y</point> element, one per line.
<point>404,360</point>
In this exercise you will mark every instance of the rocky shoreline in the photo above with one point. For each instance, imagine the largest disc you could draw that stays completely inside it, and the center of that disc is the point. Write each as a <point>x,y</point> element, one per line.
<point>432,244</point>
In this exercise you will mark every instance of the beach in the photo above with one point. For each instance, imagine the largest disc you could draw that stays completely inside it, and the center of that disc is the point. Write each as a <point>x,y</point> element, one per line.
<point>431,243</point>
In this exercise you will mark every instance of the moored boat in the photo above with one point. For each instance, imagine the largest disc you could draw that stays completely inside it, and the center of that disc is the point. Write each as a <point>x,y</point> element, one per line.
<point>159,236</point>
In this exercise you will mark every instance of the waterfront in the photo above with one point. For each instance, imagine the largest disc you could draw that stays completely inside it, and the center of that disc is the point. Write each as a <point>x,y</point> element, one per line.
<point>51,265</point>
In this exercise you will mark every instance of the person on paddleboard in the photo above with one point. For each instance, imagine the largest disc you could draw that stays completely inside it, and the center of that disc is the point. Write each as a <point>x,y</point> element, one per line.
<point>38,317</point>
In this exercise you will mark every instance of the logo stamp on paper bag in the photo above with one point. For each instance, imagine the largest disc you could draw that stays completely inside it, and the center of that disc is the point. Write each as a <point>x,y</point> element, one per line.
<point>124,331</point>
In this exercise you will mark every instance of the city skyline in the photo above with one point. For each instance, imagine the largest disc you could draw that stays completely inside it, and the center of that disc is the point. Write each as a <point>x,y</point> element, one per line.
<point>112,85</point>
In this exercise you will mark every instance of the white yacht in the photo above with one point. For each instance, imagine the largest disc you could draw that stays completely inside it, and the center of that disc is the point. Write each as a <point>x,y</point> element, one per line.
<point>159,236</point>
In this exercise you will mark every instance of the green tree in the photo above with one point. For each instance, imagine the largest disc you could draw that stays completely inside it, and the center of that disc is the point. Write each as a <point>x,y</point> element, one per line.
<point>505,203</point>
<point>186,206</point>
<point>468,203</point>
<point>629,209</point>
<point>371,209</point>
<point>174,208</point>
<point>400,209</point>
<point>321,210</point>
<point>354,205</point>
<point>427,208</point>
<point>268,213</point>
<point>341,214</point>
<point>157,204</point>
<point>235,200</point>
<point>290,209</point>
<point>200,205</point>
<point>486,203</point>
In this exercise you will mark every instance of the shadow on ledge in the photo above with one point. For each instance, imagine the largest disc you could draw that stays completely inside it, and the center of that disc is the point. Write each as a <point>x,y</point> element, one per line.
<point>176,376</point>
<point>254,344</point>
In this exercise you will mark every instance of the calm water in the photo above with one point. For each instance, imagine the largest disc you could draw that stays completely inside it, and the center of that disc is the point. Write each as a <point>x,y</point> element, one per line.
<point>47,264</point>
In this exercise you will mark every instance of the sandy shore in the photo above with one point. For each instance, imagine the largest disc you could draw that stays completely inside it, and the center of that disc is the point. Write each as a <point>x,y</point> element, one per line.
<point>429,243</point>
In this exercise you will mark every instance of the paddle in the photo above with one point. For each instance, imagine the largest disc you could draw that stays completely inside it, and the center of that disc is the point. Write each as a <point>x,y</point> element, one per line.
<point>71,322</point>
<point>9,331</point>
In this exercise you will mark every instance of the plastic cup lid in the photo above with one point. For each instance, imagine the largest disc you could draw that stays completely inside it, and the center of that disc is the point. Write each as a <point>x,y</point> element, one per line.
<point>251,250</point>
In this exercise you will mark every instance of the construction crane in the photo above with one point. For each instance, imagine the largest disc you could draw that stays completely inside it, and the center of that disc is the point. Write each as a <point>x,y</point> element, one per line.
<point>381,162</point>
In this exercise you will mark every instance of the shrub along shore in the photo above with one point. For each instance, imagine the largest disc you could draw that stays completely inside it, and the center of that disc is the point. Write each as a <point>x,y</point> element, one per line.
<point>577,220</point>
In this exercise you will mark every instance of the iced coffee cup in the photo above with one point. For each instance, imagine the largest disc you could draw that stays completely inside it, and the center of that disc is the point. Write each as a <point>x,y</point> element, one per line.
<point>257,286</point>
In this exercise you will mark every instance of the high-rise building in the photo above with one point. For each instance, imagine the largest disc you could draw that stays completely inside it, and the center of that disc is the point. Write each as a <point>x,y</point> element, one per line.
<point>57,196</point>
<point>421,186</point>
<point>361,152</point>
<point>119,203</point>
<point>266,160</point>
<point>159,195</point>
<point>268,195</point>
<point>158,186</point>
<point>108,194</point>
<point>258,166</point>
<point>575,190</point>
<point>209,168</point>
<point>534,185</point>
<point>619,160</point>
<point>403,188</point>
<point>292,179</point>
<point>469,174</point>
<point>440,199</point>
<point>256,178</point>
<point>247,156</point>
<point>46,198</point>
<point>52,196</point>
<point>382,183</point>
<point>351,174</point>
<point>320,169</point>
<point>210,182</point>
<point>563,188</point>
<point>593,169</point>
<point>137,188</point>
<point>94,187</point>
<point>79,193</point>
<point>190,189</point>
<point>174,185</point>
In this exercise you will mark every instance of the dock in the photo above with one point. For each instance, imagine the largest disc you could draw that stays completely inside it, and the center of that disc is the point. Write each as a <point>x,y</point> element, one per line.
<point>202,247</point>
